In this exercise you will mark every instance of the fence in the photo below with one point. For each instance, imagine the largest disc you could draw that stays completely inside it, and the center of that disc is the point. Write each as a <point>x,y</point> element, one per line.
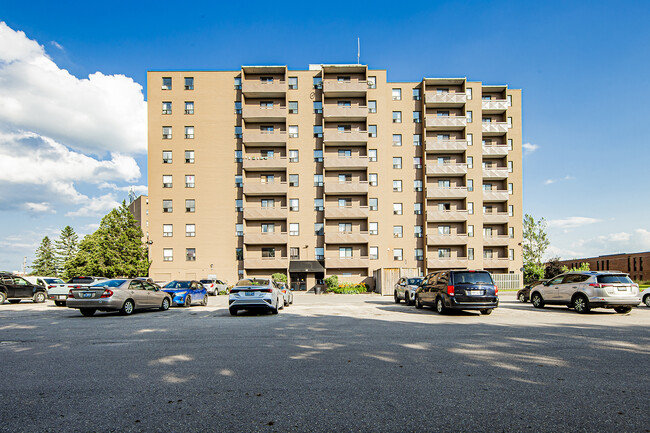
<point>508,281</point>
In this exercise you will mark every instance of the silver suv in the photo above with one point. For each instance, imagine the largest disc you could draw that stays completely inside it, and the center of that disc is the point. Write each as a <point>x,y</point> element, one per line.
<point>583,291</point>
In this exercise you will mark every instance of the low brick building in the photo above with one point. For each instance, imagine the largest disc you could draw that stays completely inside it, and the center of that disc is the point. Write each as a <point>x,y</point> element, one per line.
<point>635,264</point>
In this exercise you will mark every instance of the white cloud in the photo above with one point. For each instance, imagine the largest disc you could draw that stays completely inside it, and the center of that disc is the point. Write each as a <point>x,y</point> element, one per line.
<point>637,240</point>
<point>550,181</point>
<point>572,222</point>
<point>57,45</point>
<point>138,189</point>
<point>97,206</point>
<point>529,147</point>
<point>90,115</point>
<point>42,207</point>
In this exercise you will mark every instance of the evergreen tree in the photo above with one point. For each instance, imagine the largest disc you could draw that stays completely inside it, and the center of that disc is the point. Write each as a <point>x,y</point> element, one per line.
<point>66,248</point>
<point>45,262</point>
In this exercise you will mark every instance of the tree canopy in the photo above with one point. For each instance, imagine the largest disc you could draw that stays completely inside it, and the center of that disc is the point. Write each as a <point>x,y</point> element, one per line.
<point>66,249</point>
<point>45,262</point>
<point>534,246</point>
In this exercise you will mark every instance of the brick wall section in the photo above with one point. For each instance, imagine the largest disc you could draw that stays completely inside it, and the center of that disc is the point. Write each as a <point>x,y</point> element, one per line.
<point>635,264</point>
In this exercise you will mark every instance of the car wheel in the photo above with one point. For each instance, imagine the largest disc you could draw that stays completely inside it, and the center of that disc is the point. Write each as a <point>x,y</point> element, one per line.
<point>581,304</point>
<point>623,310</point>
<point>233,311</point>
<point>522,297</point>
<point>3,298</point>
<point>276,309</point>
<point>407,301</point>
<point>418,302</point>
<point>14,301</point>
<point>59,303</point>
<point>127,308</point>
<point>39,297</point>
<point>646,300</point>
<point>188,301</point>
<point>396,297</point>
<point>165,304</point>
<point>486,312</point>
<point>205,301</point>
<point>537,300</point>
<point>87,311</point>
<point>440,306</point>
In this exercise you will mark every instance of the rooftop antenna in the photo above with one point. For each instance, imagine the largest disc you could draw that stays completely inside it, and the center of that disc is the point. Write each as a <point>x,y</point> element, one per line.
<point>358,51</point>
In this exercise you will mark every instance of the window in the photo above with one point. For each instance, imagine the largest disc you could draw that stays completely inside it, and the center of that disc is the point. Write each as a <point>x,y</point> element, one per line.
<point>443,207</point>
<point>267,202</point>
<point>487,120</point>
<point>372,106</point>
<point>444,230</point>
<point>189,107</point>
<point>267,178</point>
<point>343,78</point>
<point>167,156</point>
<point>397,208</point>
<point>397,139</point>
<point>318,107</point>
<point>345,227</point>
<point>167,180</point>
<point>266,105</point>
<point>373,228</point>
<point>318,180</point>
<point>510,167</point>
<point>511,210</point>
<point>444,253</point>
<point>168,255</point>
<point>487,187</point>
<point>398,231</point>
<point>416,94</point>
<point>268,252</point>
<point>442,137</point>
<point>417,185</point>
<point>237,107</point>
<point>416,117</point>
<point>293,180</point>
<point>372,82</point>
<point>189,132</point>
<point>294,229</point>
<point>417,162</point>
<point>417,231</point>
<point>442,113</point>
<point>372,179</point>
<point>189,83</point>
<point>417,208</point>
<point>345,178</point>
<point>509,122</point>
<point>397,94</point>
<point>293,83</point>
<point>237,83</point>
<point>266,80</point>
<point>372,155</point>
<point>470,253</point>
<point>319,253</point>
<point>373,204</point>
<point>444,183</point>
<point>510,189</point>
<point>344,128</point>
<point>488,254</point>
<point>166,108</point>
<point>166,83</point>
<point>397,117</point>
<point>238,132</point>
<point>510,144</point>
<point>509,100</point>
<point>293,131</point>
<point>373,253</point>
<point>189,157</point>
<point>294,253</point>
<point>190,254</point>
<point>397,186</point>
<point>345,202</point>
<point>293,107</point>
<point>293,156</point>
<point>168,230</point>
<point>345,252</point>
<point>238,156</point>
<point>239,205</point>
<point>344,153</point>
<point>470,208</point>
<point>469,117</point>
<point>397,162</point>
<point>397,254</point>
<point>318,156</point>
<point>468,92</point>
<point>319,229</point>
<point>444,160</point>
<point>470,231</point>
<point>470,162</point>
<point>190,230</point>
<point>190,205</point>
<point>318,204</point>
<point>511,254</point>
<point>167,206</point>
<point>344,103</point>
<point>417,139</point>
<point>372,131</point>
<point>294,205</point>
<point>441,91</point>
<point>167,132</point>
<point>511,232</point>
<point>239,182</point>
<point>318,82</point>
<point>239,229</point>
<point>470,185</point>
<point>418,254</point>
<point>189,181</point>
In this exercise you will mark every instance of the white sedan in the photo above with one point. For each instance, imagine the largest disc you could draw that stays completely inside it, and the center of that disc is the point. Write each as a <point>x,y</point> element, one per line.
<point>255,293</point>
<point>645,296</point>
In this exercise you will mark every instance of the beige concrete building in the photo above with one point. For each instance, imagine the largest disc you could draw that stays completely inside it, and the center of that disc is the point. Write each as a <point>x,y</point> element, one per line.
<point>139,208</point>
<point>330,171</point>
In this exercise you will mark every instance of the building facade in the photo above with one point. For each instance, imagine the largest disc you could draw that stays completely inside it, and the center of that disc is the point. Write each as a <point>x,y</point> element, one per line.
<point>330,171</point>
<point>632,264</point>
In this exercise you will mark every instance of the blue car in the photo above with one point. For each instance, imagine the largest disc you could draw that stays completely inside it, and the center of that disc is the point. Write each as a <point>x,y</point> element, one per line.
<point>186,292</point>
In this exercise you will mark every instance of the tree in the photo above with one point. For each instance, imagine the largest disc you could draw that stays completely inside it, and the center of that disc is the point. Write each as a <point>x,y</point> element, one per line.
<point>534,246</point>
<point>553,268</point>
<point>66,249</point>
<point>114,249</point>
<point>583,267</point>
<point>280,277</point>
<point>45,262</point>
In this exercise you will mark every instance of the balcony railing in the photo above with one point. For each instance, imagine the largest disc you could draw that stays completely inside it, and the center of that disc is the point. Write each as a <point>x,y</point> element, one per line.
<point>345,88</point>
<point>336,137</point>
<point>494,105</point>
<point>451,239</point>
<point>447,169</point>
<point>495,128</point>
<point>336,112</point>
<point>446,262</point>
<point>259,188</point>
<point>445,123</point>
<point>257,238</point>
<point>264,138</point>
<point>495,217</point>
<point>498,173</point>
<point>343,162</point>
<point>347,262</point>
<point>264,164</point>
<point>254,88</point>
<point>446,146</point>
<point>265,213</point>
<point>334,187</point>
<point>444,99</point>
<point>496,240</point>
<point>447,215</point>
<point>453,192</point>
<point>259,114</point>
<point>346,238</point>
<point>495,195</point>
<point>266,263</point>
<point>495,150</point>
<point>352,212</point>
<point>496,262</point>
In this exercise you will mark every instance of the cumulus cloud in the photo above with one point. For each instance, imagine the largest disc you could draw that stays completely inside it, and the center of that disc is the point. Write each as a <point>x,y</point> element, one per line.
<point>137,189</point>
<point>572,222</point>
<point>89,115</point>
<point>529,147</point>
<point>611,243</point>
<point>97,206</point>
<point>42,207</point>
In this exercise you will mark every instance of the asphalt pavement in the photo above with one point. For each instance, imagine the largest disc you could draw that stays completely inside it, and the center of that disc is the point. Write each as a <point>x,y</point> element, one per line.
<point>328,363</point>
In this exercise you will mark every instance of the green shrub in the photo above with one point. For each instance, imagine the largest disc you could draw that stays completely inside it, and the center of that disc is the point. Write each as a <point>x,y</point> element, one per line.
<point>348,288</point>
<point>331,282</point>
<point>223,292</point>
<point>279,277</point>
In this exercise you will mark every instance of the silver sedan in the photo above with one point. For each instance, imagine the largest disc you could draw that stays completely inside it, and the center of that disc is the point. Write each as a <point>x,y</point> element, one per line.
<point>122,294</point>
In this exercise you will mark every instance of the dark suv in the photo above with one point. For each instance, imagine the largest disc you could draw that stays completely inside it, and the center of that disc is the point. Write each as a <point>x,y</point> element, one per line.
<point>15,288</point>
<point>459,290</point>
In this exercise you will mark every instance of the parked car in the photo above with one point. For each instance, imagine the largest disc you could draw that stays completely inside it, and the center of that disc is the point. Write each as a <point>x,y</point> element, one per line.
<point>214,286</point>
<point>459,290</point>
<point>405,289</point>
<point>286,293</point>
<point>645,296</point>
<point>585,290</point>
<point>524,294</point>
<point>120,294</point>
<point>14,289</point>
<point>186,292</point>
<point>255,293</point>
<point>56,288</point>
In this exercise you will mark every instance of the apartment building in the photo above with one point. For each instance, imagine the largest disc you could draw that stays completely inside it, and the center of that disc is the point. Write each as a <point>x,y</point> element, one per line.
<point>330,171</point>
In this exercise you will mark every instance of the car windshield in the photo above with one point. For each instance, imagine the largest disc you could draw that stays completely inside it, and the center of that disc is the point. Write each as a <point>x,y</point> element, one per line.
<point>80,280</point>
<point>472,278</point>
<point>613,279</point>
<point>206,281</point>
<point>414,281</point>
<point>253,282</point>
<point>178,285</point>
<point>53,280</point>
<point>109,283</point>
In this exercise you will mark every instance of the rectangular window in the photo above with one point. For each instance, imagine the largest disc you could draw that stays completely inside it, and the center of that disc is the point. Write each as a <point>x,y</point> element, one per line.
<point>487,120</point>
<point>239,229</point>
<point>189,132</point>
<point>345,202</point>
<point>444,253</point>
<point>397,186</point>
<point>293,107</point>
<point>239,182</point>
<point>189,157</point>
<point>510,189</point>
<point>318,156</point>
<point>345,252</point>
<point>268,252</point>
<point>372,82</point>
<point>319,253</point>
<point>266,80</point>
<point>167,206</point>
<point>239,205</point>
<point>470,208</point>
<point>318,82</point>
<point>417,231</point>
<point>189,107</point>
<point>293,180</point>
<point>294,253</point>
<point>318,204</point>
<point>417,208</point>
<point>166,83</point>
<point>372,155</point>
<point>470,253</point>
<point>511,254</point>
<point>166,108</point>
<point>319,229</point>
<point>266,105</point>
<point>511,210</point>
<point>444,183</point>
<point>418,254</point>
<point>167,156</point>
<point>293,83</point>
<point>190,205</point>
<point>237,83</point>
<point>442,113</point>
<point>417,162</point>
<point>238,156</point>
<point>510,167</point>
<point>373,253</point>
<point>318,107</point>
<point>397,254</point>
<point>416,94</point>
<point>373,228</point>
<point>345,178</point>
<point>189,181</point>
<point>267,202</point>
<point>318,180</point>
<point>167,180</point>
<point>509,99</point>
<point>293,156</point>
<point>469,117</point>
<point>372,106</point>
<point>293,131</point>
<point>397,94</point>
<point>510,144</point>
<point>343,78</point>
<point>470,185</point>
<point>509,122</point>
<point>444,230</point>
<point>294,205</point>
<point>372,131</point>
<point>417,185</point>
<point>190,254</point>
<point>344,103</point>
<point>373,204</point>
<point>238,132</point>
<point>268,228</point>
<point>397,209</point>
<point>189,83</point>
<point>168,230</point>
<point>397,162</point>
<point>237,107</point>
<point>470,162</point>
<point>442,91</point>
<point>470,231</point>
<point>168,255</point>
<point>397,139</point>
<point>345,227</point>
<point>468,92</point>
<point>294,229</point>
<point>190,230</point>
<point>511,232</point>
<point>398,231</point>
<point>416,117</point>
<point>397,117</point>
<point>167,132</point>
<point>372,179</point>
<point>417,139</point>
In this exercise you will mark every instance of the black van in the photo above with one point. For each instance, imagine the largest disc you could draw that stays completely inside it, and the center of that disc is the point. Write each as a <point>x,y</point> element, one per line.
<point>15,288</point>
<point>459,290</point>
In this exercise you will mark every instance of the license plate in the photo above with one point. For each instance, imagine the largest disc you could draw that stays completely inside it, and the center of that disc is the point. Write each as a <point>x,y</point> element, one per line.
<point>87,295</point>
<point>474,292</point>
<point>622,289</point>
<point>250,293</point>
<point>61,297</point>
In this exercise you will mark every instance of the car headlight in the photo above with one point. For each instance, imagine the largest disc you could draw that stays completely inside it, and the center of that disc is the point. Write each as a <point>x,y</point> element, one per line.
<point>181,293</point>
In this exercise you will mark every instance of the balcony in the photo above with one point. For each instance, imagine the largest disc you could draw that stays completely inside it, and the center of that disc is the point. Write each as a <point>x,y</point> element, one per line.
<point>496,262</point>
<point>445,123</point>
<point>340,113</point>
<point>452,239</point>
<point>447,216</point>
<point>259,188</point>
<point>497,173</point>
<point>266,263</point>
<point>495,128</point>
<point>494,105</point>
<point>259,114</point>
<point>496,240</point>
<point>446,146</point>
<point>346,238</point>
<point>352,212</point>
<point>446,263</point>
<point>345,163</point>
<point>495,150</point>
<point>333,88</point>
<point>264,164</point>
<point>264,138</point>
<point>265,213</point>
<point>448,169</point>
<point>495,195</point>
<point>335,137</point>
<point>444,99</point>
<point>257,89</point>
<point>346,262</point>
<point>346,188</point>
<point>258,238</point>
<point>455,192</point>
<point>495,218</point>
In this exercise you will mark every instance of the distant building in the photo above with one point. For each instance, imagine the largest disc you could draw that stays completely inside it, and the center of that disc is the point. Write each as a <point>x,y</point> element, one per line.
<point>140,210</point>
<point>632,264</point>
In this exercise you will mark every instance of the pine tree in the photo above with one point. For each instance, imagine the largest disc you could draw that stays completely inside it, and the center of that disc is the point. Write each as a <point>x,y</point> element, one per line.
<point>45,262</point>
<point>66,248</point>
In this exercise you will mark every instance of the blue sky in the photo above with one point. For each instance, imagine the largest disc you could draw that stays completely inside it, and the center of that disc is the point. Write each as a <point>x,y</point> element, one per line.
<point>582,67</point>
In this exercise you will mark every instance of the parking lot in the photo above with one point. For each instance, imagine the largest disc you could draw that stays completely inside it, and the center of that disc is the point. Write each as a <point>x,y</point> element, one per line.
<point>326,363</point>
